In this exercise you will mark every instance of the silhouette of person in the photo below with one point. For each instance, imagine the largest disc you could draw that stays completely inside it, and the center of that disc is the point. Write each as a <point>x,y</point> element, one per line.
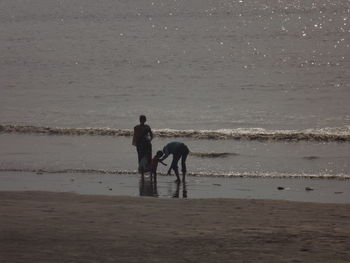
<point>154,165</point>
<point>142,140</point>
<point>178,150</point>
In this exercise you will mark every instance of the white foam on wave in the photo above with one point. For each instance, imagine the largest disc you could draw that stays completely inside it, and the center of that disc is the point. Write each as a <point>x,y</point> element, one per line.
<point>316,134</point>
<point>320,134</point>
<point>345,130</point>
<point>197,174</point>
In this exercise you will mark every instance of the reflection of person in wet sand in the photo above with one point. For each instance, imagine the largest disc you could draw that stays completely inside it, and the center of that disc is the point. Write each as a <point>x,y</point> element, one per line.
<point>148,188</point>
<point>142,140</point>
<point>176,194</point>
<point>178,150</point>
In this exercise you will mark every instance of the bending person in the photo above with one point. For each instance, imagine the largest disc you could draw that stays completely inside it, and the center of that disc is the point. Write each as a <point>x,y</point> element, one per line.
<point>142,140</point>
<point>178,150</point>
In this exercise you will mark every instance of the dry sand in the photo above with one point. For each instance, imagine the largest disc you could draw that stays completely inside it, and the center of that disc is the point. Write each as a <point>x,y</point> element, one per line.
<point>62,227</point>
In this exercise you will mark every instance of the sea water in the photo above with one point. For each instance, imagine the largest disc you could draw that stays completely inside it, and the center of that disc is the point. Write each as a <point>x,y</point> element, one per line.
<point>254,88</point>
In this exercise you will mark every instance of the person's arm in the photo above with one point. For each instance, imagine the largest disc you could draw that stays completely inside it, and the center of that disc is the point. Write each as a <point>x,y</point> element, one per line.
<point>166,154</point>
<point>150,133</point>
<point>164,157</point>
<point>134,137</point>
<point>162,163</point>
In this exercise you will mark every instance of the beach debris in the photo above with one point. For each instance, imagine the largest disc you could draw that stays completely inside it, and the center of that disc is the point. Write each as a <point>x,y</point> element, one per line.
<point>337,193</point>
<point>311,157</point>
<point>217,184</point>
<point>39,171</point>
<point>308,188</point>
<point>212,154</point>
<point>100,182</point>
<point>110,189</point>
<point>280,188</point>
<point>72,180</point>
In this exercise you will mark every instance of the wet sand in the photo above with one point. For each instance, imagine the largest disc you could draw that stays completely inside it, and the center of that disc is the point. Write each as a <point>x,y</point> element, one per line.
<point>64,227</point>
<point>94,183</point>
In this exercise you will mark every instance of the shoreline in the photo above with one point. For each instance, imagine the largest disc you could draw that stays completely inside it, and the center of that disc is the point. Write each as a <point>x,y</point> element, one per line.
<point>292,189</point>
<point>66,227</point>
<point>248,175</point>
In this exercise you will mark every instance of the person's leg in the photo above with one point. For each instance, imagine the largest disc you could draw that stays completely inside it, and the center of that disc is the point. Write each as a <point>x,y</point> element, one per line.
<point>174,166</point>
<point>142,165</point>
<point>147,151</point>
<point>184,155</point>
<point>139,152</point>
<point>139,157</point>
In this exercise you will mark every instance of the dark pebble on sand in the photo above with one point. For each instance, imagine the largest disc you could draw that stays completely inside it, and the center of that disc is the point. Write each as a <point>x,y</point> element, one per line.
<point>311,158</point>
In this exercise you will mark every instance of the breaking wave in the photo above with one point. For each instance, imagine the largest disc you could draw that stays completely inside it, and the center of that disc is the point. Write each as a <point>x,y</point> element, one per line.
<point>259,134</point>
<point>204,174</point>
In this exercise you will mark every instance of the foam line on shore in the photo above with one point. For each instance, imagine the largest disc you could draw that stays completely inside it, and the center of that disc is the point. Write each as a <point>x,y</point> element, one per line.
<point>201,174</point>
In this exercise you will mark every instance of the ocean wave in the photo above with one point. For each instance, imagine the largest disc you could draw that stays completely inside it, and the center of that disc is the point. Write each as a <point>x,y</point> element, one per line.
<point>200,174</point>
<point>259,134</point>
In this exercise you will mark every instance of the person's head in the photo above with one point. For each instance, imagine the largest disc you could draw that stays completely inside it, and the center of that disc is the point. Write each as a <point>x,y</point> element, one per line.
<point>142,119</point>
<point>159,154</point>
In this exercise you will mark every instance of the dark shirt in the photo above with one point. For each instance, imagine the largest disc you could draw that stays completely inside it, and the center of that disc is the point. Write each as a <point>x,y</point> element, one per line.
<point>171,148</point>
<point>142,133</point>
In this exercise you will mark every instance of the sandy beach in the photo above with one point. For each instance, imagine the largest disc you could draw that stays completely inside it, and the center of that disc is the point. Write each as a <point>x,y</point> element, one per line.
<point>63,227</point>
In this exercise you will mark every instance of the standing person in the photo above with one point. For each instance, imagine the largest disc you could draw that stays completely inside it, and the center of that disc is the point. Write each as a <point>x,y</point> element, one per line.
<point>142,140</point>
<point>178,150</point>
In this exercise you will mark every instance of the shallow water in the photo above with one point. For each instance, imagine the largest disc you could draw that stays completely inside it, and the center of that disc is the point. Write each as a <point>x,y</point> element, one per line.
<point>320,190</point>
<point>208,158</point>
